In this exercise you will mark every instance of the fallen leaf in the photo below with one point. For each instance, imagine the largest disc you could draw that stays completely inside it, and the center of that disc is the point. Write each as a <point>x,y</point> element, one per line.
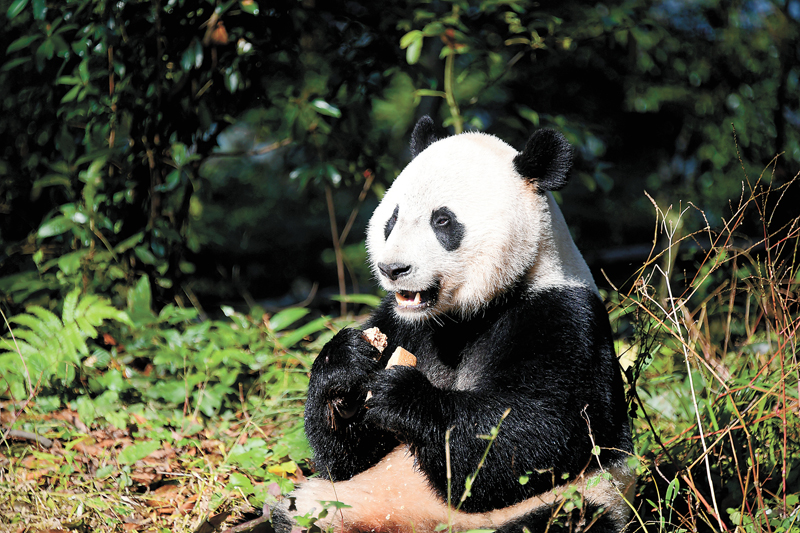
<point>145,478</point>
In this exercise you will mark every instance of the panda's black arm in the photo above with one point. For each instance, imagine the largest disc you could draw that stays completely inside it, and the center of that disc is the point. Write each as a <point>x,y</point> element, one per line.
<point>343,443</point>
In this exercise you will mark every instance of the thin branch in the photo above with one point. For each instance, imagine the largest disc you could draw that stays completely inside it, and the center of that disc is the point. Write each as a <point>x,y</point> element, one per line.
<point>27,435</point>
<point>337,249</point>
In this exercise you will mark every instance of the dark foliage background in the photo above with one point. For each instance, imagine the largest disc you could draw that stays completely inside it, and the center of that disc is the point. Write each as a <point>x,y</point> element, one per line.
<point>198,142</point>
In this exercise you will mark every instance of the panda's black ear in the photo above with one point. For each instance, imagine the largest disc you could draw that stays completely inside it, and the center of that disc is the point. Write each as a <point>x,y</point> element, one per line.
<point>423,135</point>
<point>546,160</point>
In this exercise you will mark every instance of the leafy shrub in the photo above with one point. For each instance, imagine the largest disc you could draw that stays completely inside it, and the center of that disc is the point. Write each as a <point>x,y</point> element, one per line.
<point>170,359</point>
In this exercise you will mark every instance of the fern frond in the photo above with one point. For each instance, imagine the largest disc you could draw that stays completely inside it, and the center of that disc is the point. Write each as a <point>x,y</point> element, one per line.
<point>74,342</point>
<point>34,324</point>
<point>70,301</point>
<point>47,342</point>
<point>98,311</point>
<point>29,336</point>
<point>50,322</point>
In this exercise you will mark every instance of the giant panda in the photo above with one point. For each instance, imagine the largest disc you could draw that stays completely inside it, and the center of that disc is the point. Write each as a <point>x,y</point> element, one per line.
<point>488,290</point>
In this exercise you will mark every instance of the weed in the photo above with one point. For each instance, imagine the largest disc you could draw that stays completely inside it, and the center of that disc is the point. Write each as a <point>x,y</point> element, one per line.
<point>711,320</point>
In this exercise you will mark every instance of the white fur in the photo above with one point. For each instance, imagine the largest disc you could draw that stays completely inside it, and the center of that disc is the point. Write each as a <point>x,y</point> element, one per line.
<point>512,230</point>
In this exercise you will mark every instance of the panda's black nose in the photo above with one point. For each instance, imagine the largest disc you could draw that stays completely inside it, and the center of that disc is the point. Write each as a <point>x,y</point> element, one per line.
<point>394,270</point>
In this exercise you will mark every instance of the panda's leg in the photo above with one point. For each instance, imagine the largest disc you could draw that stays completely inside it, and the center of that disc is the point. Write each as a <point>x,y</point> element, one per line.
<point>395,497</point>
<point>390,497</point>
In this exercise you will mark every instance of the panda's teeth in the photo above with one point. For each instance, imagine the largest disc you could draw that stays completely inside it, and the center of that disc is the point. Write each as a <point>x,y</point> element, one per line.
<point>404,299</point>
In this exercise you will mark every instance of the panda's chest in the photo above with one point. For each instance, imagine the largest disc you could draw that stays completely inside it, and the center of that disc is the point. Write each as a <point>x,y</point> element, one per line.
<point>454,362</point>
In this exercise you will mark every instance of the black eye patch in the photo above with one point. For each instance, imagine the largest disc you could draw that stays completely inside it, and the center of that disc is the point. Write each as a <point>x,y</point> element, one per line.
<point>390,223</point>
<point>448,230</point>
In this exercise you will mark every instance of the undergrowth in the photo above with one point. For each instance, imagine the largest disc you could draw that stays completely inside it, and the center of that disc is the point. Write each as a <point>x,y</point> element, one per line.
<point>142,421</point>
<point>135,420</point>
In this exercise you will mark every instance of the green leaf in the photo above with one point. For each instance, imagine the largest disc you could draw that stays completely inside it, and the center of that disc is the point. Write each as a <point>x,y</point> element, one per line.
<point>248,6</point>
<point>171,182</point>
<point>70,302</point>
<point>14,63</point>
<point>193,56</point>
<point>292,338</point>
<point>39,9</point>
<point>139,301</point>
<point>47,49</point>
<point>366,299</point>
<point>413,52</point>
<point>672,491</point>
<point>50,180</point>
<point>287,317</point>
<point>16,8</point>
<point>237,480</point>
<point>324,108</point>
<point>23,42</point>
<point>83,71</point>
<point>69,263</point>
<point>129,243</point>
<point>71,95</point>
<point>137,452</point>
<point>55,226</point>
<point>60,45</point>
<point>104,471</point>
<point>49,321</point>
<point>232,80</point>
<point>409,38</point>
<point>145,255</point>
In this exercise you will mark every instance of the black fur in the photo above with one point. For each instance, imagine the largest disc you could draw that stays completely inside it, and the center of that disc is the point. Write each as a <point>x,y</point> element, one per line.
<point>448,230</point>
<point>547,356</point>
<point>387,229</point>
<point>339,376</point>
<point>546,160</point>
<point>424,135</point>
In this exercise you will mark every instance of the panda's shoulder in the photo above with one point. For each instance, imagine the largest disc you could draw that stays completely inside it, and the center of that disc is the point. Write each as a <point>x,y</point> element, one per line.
<point>563,310</point>
<point>575,299</point>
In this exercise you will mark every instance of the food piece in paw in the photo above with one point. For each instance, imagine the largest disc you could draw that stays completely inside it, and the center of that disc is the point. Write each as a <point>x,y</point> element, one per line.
<point>377,339</point>
<point>401,357</point>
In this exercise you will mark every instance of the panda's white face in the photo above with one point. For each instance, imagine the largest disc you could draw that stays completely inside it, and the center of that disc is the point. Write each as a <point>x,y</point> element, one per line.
<point>457,227</point>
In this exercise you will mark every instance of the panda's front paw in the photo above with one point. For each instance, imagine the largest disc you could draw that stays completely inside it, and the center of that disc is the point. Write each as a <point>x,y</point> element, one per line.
<point>337,387</point>
<point>347,348</point>
<point>400,401</point>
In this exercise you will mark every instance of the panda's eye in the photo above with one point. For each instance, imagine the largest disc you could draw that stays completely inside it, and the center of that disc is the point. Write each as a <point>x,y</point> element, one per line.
<point>447,228</point>
<point>442,220</point>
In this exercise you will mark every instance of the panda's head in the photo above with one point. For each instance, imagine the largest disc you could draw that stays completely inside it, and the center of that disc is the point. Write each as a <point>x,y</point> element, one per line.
<point>469,218</point>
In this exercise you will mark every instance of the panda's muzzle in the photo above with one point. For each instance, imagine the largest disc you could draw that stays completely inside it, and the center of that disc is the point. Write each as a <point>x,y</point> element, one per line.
<point>416,300</point>
<point>408,299</point>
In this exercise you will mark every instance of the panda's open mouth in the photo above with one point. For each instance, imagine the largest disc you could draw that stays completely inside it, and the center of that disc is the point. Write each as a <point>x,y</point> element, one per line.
<point>416,300</point>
